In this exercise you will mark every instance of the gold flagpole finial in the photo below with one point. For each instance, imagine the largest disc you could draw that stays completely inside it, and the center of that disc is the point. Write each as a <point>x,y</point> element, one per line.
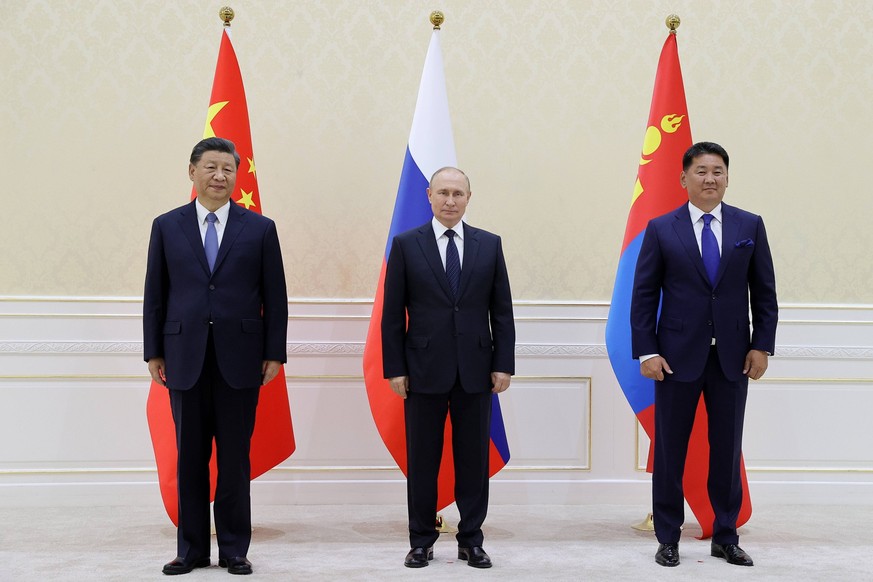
<point>226,15</point>
<point>437,18</point>
<point>672,23</point>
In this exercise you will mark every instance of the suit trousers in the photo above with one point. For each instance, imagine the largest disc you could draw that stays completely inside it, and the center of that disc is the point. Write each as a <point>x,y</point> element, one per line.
<point>212,409</point>
<point>425,416</point>
<point>675,407</point>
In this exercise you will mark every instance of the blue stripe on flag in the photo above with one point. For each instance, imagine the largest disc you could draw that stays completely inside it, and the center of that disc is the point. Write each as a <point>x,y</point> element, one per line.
<point>498,429</point>
<point>639,391</point>
<point>411,208</point>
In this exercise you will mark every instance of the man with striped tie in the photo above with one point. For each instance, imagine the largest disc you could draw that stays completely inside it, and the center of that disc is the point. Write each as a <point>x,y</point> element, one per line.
<point>448,343</point>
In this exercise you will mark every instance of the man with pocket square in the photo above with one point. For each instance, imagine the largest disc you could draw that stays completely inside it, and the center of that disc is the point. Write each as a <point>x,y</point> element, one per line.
<point>702,269</point>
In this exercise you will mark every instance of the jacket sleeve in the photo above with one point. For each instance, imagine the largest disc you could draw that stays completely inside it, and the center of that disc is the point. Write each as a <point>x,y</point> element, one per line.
<point>275,297</point>
<point>502,320</point>
<point>155,296</point>
<point>394,314</point>
<point>762,294</point>
<point>646,297</point>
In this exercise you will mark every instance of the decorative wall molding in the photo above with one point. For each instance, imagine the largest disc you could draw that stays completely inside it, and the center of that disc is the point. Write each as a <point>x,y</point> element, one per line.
<point>570,430</point>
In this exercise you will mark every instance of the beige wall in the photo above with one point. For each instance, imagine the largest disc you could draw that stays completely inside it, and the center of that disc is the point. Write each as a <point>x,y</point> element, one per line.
<point>100,103</point>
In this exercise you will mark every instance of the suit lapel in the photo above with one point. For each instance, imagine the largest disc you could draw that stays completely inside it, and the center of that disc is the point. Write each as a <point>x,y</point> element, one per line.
<point>427,242</point>
<point>730,230</point>
<point>471,252</point>
<point>236,221</point>
<point>191,230</point>
<point>685,232</point>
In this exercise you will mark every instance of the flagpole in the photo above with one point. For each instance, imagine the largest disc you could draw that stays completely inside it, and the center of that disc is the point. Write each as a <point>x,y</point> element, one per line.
<point>436,19</point>
<point>648,524</point>
<point>226,14</point>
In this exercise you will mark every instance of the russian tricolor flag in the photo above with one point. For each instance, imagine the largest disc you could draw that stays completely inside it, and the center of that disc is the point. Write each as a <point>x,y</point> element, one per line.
<point>431,147</point>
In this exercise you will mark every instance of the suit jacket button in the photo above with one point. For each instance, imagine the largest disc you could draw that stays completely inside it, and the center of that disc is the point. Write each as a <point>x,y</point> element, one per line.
<point>709,323</point>
<point>212,287</point>
<point>457,308</point>
<point>713,296</point>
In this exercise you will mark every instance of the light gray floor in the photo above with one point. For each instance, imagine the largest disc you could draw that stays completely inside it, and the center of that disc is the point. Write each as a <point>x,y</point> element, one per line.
<point>352,542</point>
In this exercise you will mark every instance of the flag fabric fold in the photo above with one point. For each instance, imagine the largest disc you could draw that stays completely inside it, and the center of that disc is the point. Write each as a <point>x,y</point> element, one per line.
<point>657,191</point>
<point>273,438</point>
<point>431,147</point>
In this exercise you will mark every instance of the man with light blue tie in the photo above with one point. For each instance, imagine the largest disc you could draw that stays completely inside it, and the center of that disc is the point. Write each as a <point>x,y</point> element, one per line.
<point>215,320</point>
<point>702,269</point>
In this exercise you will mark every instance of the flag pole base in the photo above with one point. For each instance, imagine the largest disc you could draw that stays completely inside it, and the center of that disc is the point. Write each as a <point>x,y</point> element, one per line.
<point>442,527</point>
<point>647,524</point>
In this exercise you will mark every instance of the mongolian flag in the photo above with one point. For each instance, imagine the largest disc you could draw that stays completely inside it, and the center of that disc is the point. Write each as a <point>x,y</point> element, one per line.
<point>431,147</point>
<point>273,438</point>
<point>656,192</point>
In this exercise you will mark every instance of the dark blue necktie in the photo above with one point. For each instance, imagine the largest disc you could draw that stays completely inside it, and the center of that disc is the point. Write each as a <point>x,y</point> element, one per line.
<point>709,249</point>
<point>210,243</point>
<point>453,263</point>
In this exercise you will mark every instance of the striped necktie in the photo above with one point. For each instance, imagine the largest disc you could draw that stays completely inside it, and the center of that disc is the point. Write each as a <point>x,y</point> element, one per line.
<point>453,263</point>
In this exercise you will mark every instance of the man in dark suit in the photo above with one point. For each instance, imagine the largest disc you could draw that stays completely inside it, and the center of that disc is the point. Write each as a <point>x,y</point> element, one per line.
<point>456,349</point>
<point>706,264</point>
<point>215,320</point>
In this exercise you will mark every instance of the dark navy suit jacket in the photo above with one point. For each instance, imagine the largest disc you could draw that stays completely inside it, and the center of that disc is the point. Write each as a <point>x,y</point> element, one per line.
<point>693,310</point>
<point>447,338</point>
<point>245,298</point>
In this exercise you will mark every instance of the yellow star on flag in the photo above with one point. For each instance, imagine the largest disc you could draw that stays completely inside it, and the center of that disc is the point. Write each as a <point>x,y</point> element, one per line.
<point>245,199</point>
<point>252,166</point>
<point>210,115</point>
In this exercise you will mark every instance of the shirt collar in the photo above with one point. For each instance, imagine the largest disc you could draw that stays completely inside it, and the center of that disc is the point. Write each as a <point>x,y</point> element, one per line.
<point>222,213</point>
<point>696,213</point>
<point>439,230</point>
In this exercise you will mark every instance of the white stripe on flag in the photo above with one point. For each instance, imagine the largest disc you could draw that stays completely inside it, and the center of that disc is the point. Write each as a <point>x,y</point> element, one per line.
<point>431,142</point>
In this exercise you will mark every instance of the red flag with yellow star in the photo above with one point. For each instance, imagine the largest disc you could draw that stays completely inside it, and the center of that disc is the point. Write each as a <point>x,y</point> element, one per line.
<point>273,439</point>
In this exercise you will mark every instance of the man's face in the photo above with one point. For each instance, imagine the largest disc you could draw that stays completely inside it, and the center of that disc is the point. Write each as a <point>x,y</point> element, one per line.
<point>214,177</point>
<point>448,196</point>
<point>705,180</point>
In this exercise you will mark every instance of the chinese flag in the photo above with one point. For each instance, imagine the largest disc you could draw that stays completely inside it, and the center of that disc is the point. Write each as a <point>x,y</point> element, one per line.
<point>656,192</point>
<point>273,438</point>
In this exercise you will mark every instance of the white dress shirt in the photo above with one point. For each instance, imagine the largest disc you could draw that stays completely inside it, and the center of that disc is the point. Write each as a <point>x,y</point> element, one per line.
<point>221,214</point>
<point>714,224</point>
<point>442,240</point>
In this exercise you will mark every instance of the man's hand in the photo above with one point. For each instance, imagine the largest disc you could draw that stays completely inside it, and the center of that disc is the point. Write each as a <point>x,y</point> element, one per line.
<point>269,370</point>
<point>500,381</point>
<point>756,364</point>
<point>157,370</point>
<point>400,385</point>
<point>654,368</point>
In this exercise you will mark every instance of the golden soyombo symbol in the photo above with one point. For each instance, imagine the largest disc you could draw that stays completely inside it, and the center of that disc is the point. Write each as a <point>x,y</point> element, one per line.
<point>669,124</point>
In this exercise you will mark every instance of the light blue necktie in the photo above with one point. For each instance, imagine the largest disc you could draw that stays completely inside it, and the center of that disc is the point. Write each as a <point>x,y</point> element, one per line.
<point>453,263</point>
<point>709,249</point>
<point>210,243</point>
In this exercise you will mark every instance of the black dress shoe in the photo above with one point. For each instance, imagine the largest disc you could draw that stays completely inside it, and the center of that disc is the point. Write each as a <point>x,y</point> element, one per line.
<point>236,565</point>
<point>475,557</point>
<point>182,566</point>
<point>418,557</point>
<point>667,555</point>
<point>733,553</point>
